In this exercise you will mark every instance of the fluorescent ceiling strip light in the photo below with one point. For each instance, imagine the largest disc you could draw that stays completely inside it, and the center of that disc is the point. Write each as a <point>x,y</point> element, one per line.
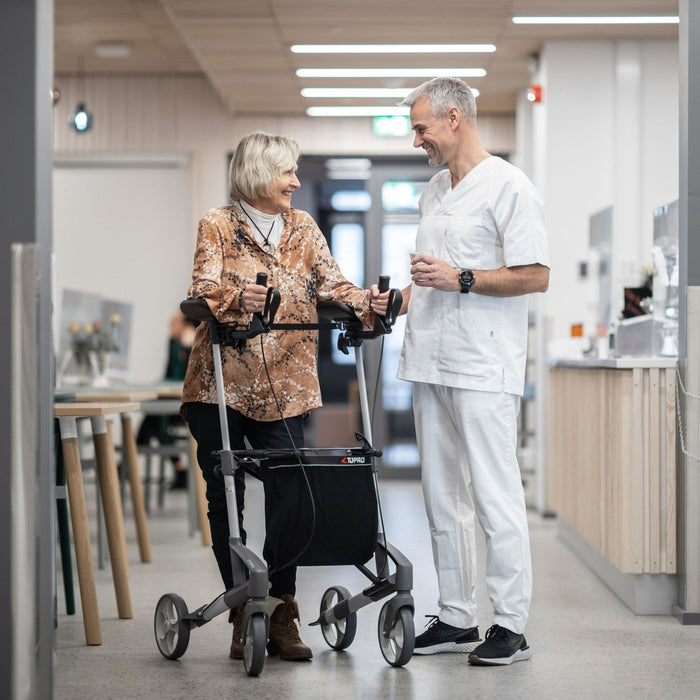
<point>393,48</point>
<point>360,111</point>
<point>596,20</point>
<point>349,163</point>
<point>390,72</point>
<point>396,93</point>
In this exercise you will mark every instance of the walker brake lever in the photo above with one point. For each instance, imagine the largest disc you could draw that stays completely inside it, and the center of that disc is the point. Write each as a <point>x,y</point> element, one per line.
<point>393,307</point>
<point>384,323</point>
<point>272,302</point>
<point>354,334</point>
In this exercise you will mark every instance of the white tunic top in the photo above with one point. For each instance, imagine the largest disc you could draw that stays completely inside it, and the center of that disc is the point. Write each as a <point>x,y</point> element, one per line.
<point>493,217</point>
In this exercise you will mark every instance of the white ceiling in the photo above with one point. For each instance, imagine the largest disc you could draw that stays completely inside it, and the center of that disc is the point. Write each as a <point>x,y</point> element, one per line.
<point>242,46</point>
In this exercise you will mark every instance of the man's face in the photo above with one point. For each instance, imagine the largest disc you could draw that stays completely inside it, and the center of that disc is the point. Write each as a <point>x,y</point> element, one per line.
<point>431,134</point>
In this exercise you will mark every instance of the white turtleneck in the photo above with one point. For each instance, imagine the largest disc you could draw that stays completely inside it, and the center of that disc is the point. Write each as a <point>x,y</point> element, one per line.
<point>263,224</point>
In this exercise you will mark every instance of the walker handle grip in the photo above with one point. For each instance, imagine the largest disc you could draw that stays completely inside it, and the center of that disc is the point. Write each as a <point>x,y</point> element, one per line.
<point>394,302</point>
<point>272,301</point>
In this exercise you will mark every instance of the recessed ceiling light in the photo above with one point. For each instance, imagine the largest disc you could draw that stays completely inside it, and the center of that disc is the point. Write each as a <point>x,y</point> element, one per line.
<point>397,93</point>
<point>113,49</point>
<point>359,111</point>
<point>390,72</point>
<point>393,48</point>
<point>596,20</point>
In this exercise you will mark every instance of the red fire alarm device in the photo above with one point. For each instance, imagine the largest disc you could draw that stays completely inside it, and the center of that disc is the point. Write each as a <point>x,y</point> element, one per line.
<point>534,93</point>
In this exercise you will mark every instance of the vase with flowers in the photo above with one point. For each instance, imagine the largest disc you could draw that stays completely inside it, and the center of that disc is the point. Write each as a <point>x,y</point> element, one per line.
<point>93,345</point>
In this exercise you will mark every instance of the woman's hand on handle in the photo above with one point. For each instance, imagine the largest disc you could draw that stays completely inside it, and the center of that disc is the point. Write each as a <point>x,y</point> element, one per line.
<point>253,298</point>
<point>379,300</point>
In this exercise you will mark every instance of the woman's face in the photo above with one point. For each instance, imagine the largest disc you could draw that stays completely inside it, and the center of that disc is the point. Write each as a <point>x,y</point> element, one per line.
<point>280,197</point>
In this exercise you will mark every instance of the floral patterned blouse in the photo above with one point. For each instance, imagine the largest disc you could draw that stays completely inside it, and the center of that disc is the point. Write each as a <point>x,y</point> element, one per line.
<point>227,258</point>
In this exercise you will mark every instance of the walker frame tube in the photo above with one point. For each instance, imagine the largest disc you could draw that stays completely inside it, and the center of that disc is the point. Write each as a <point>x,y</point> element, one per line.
<point>401,582</point>
<point>229,483</point>
<point>364,403</point>
<point>250,573</point>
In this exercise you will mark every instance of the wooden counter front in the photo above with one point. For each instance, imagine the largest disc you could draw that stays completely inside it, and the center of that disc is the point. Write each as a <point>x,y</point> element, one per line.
<point>611,462</point>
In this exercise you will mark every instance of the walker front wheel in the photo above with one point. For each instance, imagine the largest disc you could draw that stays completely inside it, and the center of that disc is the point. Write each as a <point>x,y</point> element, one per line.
<point>339,634</point>
<point>397,646</point>
<point>254,640</point>
<point>172,633</point>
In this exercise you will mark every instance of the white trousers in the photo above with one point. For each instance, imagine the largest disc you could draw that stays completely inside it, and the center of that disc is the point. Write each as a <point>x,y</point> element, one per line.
<point>467,442</point>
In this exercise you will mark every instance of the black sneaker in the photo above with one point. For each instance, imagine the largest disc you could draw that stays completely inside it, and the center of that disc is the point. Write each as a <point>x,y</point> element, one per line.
<point>441,637</point>
<point>502,647</point>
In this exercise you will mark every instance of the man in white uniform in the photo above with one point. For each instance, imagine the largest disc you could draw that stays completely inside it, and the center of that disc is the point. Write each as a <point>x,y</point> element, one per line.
<point>464,349</point>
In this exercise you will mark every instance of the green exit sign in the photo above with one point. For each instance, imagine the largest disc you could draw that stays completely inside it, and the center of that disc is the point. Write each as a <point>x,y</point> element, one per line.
<point>397,125</point>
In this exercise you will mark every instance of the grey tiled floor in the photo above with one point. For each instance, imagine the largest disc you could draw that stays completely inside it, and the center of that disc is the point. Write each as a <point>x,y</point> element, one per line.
<point>585,642</point>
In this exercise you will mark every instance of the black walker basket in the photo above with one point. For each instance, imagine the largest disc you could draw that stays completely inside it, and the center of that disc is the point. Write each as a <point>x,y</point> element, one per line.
<point>322,508</point>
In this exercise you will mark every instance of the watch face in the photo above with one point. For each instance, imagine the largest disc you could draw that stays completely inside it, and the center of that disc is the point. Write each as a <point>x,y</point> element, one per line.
<point>466,277</point>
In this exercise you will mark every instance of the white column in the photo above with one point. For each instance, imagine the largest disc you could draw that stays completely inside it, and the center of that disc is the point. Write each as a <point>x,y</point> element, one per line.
<point>605,134</point>
<point>628,250</point>
<point>26,640</point>
<point>688,609</point>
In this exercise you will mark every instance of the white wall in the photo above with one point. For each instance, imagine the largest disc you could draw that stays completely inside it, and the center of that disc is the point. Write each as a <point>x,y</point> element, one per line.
<point>606,133</point>
<point>121,229</point>
<point>133,240</point>
<point>183,115</point>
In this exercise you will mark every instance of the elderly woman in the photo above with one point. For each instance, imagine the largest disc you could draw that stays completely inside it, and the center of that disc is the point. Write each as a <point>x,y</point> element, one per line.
<point>260,233</point>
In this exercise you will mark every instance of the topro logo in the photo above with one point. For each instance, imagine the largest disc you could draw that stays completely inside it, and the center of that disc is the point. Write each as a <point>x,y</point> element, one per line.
<point>354,460</point>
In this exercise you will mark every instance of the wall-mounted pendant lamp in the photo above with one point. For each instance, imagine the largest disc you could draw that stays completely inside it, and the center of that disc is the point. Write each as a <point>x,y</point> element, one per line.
<point>81,120</point>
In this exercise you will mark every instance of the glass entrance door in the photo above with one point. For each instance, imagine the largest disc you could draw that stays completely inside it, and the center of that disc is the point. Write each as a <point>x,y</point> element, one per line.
<point>392,223</point>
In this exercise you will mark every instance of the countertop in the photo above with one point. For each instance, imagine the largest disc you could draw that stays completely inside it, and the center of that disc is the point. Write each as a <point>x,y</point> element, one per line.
<point>613,362</point>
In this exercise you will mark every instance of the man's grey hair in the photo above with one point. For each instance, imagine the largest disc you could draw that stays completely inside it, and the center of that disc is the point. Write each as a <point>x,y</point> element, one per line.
<point>443,94</point>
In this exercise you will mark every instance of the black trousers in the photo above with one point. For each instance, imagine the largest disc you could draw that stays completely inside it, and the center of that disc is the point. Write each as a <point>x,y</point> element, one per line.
<point>203,420</point>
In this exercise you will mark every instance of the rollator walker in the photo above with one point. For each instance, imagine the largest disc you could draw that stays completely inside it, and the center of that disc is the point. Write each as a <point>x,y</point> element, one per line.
<point>340,513</point>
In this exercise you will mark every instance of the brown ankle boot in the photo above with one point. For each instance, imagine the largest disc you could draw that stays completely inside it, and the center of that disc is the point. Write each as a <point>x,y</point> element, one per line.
<point>236,617</point>
<point>284,635</point>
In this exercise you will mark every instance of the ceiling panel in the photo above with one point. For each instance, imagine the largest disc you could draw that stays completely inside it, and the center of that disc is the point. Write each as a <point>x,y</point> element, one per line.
<point>242,46</point>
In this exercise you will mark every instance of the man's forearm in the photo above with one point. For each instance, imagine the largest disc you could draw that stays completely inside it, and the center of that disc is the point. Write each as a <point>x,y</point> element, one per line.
<point>511,281</point>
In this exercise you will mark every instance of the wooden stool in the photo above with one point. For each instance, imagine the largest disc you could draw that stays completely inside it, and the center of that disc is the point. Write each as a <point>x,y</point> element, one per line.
<point>136,487</point>
<point>130,457</point>
<point>62,522</point>
<point>201,494</point>
<point>111,500</point>
<point>168,403</point>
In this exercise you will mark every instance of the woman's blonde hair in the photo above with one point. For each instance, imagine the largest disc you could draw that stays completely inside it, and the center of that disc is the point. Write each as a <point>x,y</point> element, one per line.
<point>258,162</point>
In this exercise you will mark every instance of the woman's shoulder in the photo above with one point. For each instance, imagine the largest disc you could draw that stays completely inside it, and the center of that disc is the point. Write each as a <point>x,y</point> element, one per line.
<point>221,213</point>
<point>297,216</point>
<point>299,220</point>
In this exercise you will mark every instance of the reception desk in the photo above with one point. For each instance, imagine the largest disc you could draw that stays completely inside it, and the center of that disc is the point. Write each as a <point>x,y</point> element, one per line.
<point>611,472</point>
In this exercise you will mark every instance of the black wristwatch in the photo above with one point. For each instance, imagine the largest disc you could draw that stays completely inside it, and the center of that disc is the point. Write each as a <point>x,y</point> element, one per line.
<point>466,280</point>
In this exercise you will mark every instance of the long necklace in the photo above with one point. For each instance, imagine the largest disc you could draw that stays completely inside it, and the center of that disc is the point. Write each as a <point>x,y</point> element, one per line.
<point>269,233</point>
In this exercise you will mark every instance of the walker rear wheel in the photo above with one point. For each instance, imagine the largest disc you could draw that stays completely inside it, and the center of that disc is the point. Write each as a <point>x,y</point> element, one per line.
<point>397,647</point>
<point>254,639</point>
<point>339,634</point>
<point>172,633</point>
